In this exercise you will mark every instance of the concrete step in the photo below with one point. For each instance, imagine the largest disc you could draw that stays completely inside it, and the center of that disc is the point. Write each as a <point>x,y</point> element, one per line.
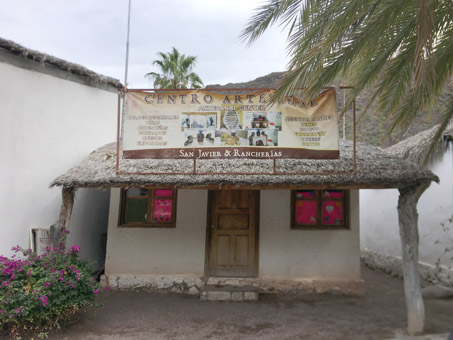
<point>229,293</point>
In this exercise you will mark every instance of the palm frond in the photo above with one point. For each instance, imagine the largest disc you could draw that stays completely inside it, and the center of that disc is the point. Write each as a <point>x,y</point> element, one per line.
<point>175,71</point>
<point>403,49</point>
<point>424,76</point>
<point>448,117</point>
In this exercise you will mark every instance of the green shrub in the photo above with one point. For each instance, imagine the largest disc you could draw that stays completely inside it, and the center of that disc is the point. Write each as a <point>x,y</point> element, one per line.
<point>447,243</point>
<point>38,293</point>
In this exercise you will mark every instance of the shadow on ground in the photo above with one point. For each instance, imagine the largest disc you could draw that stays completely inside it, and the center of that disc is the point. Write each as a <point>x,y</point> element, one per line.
<point>380,315</point>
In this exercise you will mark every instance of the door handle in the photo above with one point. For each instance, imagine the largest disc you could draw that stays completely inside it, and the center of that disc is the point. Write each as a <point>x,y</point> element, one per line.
<point>213,226</point>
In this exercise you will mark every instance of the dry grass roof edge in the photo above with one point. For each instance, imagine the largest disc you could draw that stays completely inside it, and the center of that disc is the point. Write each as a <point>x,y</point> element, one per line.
<point>415,148</point>
<point>46,59</point>
<point>375,169</point>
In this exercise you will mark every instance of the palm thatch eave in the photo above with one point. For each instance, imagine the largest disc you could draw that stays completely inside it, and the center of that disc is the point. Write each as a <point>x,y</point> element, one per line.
<point>417,147</point>
<point>11,48</point>
<point>375,169</point>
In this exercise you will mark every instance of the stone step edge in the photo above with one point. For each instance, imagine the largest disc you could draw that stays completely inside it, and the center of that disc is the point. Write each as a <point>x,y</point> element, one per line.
<point>219,295</point>
<point>230,288</point>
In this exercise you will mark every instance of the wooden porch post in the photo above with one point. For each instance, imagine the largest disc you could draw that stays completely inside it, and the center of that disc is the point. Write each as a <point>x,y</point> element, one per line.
<point>408,223</point>
<point>67,203</point>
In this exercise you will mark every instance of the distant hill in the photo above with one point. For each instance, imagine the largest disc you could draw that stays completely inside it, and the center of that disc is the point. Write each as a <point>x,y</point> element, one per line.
<point>272,80</point>
<point>371,128</point>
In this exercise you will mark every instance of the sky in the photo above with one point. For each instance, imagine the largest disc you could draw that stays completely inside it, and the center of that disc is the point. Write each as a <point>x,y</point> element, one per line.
<point>93,33</point>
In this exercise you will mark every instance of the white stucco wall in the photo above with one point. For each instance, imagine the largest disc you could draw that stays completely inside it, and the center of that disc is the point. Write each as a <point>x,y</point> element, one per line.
<point>306,254</point>
<point>283,253</point>
<point>160,251</point>
<point>49,125</point>
<point>379,217</point>
<point>88,222</point>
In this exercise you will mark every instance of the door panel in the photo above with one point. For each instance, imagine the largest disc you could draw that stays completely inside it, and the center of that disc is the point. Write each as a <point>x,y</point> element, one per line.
<point>243,198</point>
<point>226,199</point>
<point>233,233</point>
<point>241,251</point>
<point>223,250</point>
<point>232,221</point>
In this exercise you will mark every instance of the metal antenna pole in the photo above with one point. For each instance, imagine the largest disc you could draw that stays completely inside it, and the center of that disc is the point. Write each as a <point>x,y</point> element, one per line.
<point>344,116</point>
<point>126,69</point>
<point>127,42</point>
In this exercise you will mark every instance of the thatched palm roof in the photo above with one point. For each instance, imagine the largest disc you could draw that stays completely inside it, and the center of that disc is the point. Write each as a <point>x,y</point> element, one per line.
<point>416,148</point>
<point>12,48</point>
<point>375,169</point>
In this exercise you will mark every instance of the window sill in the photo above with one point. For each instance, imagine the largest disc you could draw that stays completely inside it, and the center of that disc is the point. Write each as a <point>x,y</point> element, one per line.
<point>320,227</point>
<point>142,225</point>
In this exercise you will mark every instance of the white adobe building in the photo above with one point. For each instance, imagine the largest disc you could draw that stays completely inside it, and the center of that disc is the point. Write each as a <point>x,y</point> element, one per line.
<point>228,231</point>
<point>222,230</point>
<point>53,113</point>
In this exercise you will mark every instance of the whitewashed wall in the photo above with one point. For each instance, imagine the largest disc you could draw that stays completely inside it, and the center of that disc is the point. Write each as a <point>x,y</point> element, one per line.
<point>379,218</point>
<point>283,253</point>
<point>160,251</point>
<point>306,254</point>
<point>49,125</point>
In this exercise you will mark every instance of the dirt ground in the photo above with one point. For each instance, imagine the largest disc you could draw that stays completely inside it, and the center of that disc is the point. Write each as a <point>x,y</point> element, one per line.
<point>379,315</point>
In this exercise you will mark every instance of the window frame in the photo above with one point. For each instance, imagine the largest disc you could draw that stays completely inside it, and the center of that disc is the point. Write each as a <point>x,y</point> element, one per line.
<point>319,199</point>
<point>151,197</point>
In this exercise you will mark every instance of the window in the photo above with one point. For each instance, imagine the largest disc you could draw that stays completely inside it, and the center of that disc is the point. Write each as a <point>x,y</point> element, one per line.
<point>143,207</point>
<point>319,208</point>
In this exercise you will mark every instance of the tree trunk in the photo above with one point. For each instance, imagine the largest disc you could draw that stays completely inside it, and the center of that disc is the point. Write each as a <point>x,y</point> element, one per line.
<point>65,214</point>
<point>408,222</point>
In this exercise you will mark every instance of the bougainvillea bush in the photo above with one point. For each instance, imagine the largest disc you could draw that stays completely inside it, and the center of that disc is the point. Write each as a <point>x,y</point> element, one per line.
<point>38,293</point>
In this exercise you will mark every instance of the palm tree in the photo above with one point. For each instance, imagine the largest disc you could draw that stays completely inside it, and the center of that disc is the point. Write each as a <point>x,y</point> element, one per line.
<point>402,49</point>
<point>175,71</point>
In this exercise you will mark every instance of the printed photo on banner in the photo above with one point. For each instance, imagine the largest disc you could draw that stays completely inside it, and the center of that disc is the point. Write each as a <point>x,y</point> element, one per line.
<point>263,137</point>
<point>195,120</point>
<point>198,137</point>
<point>231,120</point>
<point>232,138</point>
<point>263,120</point>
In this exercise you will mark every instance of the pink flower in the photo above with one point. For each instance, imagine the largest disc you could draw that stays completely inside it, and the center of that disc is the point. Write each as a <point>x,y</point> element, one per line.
<point>19,311</point>
<point>75,248</point>
<point>43,300</point>
<point>106,288</point>
<point>16,248</point>
<point>47,284</point>
<point>5,283</point>
<point>96,291</point>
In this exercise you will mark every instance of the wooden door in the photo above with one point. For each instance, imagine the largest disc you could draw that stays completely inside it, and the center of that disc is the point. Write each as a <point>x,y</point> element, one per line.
<point>233,229</point>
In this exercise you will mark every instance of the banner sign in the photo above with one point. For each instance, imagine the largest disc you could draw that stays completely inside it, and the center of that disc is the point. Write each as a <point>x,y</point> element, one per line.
<point>202,124</point>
